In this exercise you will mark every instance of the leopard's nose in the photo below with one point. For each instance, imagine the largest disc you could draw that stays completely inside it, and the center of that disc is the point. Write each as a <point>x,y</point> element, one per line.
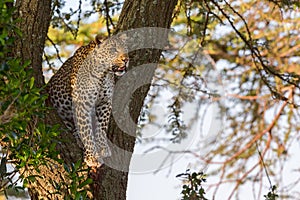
<point>125,60</point>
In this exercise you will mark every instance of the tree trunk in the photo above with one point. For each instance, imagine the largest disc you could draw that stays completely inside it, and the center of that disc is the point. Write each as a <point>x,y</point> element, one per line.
<point>112,183</point>
<point>109,183</point>
<point>35,16</point>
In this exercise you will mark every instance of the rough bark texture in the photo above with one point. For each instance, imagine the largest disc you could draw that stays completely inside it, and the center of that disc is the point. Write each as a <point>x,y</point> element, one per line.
<point>35,16</point>
<point>109,183</point>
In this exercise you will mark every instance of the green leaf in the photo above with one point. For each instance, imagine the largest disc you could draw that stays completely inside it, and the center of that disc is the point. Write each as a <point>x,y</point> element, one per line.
<point>67,16</point>
<point>25,183</point>
<point>86,182</point>
<point>31,178</point>
<point>66,167</point>
<point>31,83</point>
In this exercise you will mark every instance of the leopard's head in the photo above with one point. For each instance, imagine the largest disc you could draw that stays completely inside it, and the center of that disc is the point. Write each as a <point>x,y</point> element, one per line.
<point>120,64</point>
<point>117,48</point>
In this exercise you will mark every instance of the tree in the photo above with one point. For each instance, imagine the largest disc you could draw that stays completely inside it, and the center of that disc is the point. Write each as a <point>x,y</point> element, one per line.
<point>256,72</point>
<point>258,46</point>
<point>257,77</point>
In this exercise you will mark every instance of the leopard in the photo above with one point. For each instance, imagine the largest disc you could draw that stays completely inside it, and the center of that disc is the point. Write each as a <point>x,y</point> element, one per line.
<point>81,91</point>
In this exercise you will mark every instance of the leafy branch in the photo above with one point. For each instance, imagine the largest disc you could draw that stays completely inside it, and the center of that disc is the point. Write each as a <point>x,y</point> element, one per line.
<point>192,189</point>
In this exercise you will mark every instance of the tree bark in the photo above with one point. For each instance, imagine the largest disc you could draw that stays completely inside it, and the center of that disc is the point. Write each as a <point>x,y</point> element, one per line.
<point>35,19</point>
<point>112,183</point>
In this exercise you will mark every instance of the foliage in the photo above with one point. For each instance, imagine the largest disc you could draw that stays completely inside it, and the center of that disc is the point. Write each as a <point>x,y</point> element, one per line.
<point>21,106</point>
<point>70,20</point>
<point>255,45</point>
<point>272,194</point>
<point>6,26</point>
<point>75,28</point>
<point>192,189</point>
<point>77,189</point>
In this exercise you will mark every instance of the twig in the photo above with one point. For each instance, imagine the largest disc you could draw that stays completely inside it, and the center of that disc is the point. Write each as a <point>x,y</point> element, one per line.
<point>258,136</point>
<point>55,47</point>
<point>256,54</point>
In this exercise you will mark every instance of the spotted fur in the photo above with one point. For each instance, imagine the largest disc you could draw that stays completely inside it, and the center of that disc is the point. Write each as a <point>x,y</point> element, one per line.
<point>82,89</point>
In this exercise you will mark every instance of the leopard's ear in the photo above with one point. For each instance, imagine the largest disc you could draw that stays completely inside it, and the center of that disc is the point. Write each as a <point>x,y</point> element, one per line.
<point>100,38</point>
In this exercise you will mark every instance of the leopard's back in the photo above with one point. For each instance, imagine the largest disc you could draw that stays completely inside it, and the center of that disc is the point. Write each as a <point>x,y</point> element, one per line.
<point>62,82</point>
